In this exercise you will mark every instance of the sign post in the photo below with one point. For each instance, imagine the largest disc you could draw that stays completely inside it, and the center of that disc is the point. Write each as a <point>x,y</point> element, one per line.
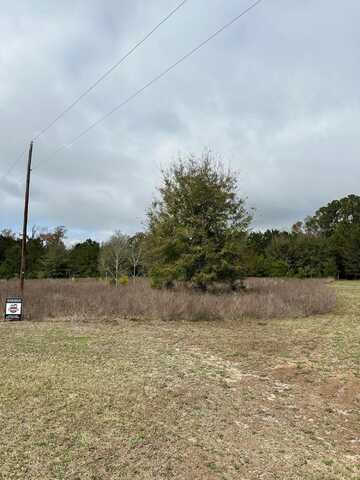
<point>13,308</point>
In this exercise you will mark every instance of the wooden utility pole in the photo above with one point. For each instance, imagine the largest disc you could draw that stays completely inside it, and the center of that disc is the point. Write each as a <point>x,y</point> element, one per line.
<point>26,214</point>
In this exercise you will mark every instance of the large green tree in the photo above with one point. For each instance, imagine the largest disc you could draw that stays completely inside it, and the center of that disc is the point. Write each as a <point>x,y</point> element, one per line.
<point>197,227</point>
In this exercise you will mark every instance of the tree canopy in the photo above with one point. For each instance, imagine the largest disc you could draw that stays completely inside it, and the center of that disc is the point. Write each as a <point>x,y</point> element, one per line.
<point>197,228</point>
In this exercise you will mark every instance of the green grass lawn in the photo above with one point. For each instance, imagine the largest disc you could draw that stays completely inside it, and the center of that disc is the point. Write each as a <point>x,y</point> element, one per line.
<point>275,399</point>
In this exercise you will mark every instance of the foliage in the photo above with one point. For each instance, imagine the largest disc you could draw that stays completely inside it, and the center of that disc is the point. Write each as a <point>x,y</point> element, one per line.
<point>197,233</point>
<point>35,254</point>
<point>338,226</point>
<point>84,259</point>
<point>123,280</point>
<point>55,260</point>
<point>326,220</point>
<point>291,255</point>
<point>197,228</point>
<point>9,254</point>
<point>49,257</point>
<point>327,244</point>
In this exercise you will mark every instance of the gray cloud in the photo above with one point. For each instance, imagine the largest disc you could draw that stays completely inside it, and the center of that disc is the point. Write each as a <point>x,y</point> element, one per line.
<point>276,96</point>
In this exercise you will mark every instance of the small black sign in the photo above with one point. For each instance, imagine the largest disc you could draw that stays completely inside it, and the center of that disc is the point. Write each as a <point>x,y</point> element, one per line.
<point>13,308</point>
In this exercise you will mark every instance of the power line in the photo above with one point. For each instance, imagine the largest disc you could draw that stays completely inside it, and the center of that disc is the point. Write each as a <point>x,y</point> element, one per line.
<point>155,79</point>
<point>111,69</point>
<point>94,85</point>
<point>13,165</point>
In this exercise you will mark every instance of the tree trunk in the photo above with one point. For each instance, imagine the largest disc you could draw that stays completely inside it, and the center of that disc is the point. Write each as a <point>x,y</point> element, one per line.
<point>116,271</point>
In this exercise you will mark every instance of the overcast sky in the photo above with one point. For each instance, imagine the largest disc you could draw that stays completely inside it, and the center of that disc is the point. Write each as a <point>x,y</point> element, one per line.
<point>276,96</point>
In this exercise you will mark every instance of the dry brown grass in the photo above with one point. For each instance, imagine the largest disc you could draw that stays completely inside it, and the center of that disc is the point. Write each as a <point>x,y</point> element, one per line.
<point>150,400</point>
<point>95,300</point>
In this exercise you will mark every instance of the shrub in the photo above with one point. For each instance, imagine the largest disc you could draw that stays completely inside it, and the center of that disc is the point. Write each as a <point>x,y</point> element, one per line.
<point>123,280</point>
<point>90,300</point>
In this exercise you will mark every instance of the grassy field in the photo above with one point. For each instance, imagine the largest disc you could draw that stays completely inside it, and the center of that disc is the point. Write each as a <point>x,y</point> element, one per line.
<point>253,399</point>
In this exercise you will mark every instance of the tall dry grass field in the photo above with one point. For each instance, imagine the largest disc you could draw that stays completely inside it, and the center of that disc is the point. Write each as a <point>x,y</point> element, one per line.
<point>181,400</point>
<point>95,300</point>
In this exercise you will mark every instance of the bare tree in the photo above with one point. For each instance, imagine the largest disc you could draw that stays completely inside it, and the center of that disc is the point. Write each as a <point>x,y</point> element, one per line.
<point>7,233</point>
<point>114,255</point>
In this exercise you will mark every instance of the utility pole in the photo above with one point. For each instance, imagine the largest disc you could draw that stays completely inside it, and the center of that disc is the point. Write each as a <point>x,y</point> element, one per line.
<point>26,214</point>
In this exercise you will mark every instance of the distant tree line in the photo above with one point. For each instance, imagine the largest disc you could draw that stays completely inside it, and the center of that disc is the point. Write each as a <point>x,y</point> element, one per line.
<point>198,232</point>
<point>49,257</point>
<point>326,244</point>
